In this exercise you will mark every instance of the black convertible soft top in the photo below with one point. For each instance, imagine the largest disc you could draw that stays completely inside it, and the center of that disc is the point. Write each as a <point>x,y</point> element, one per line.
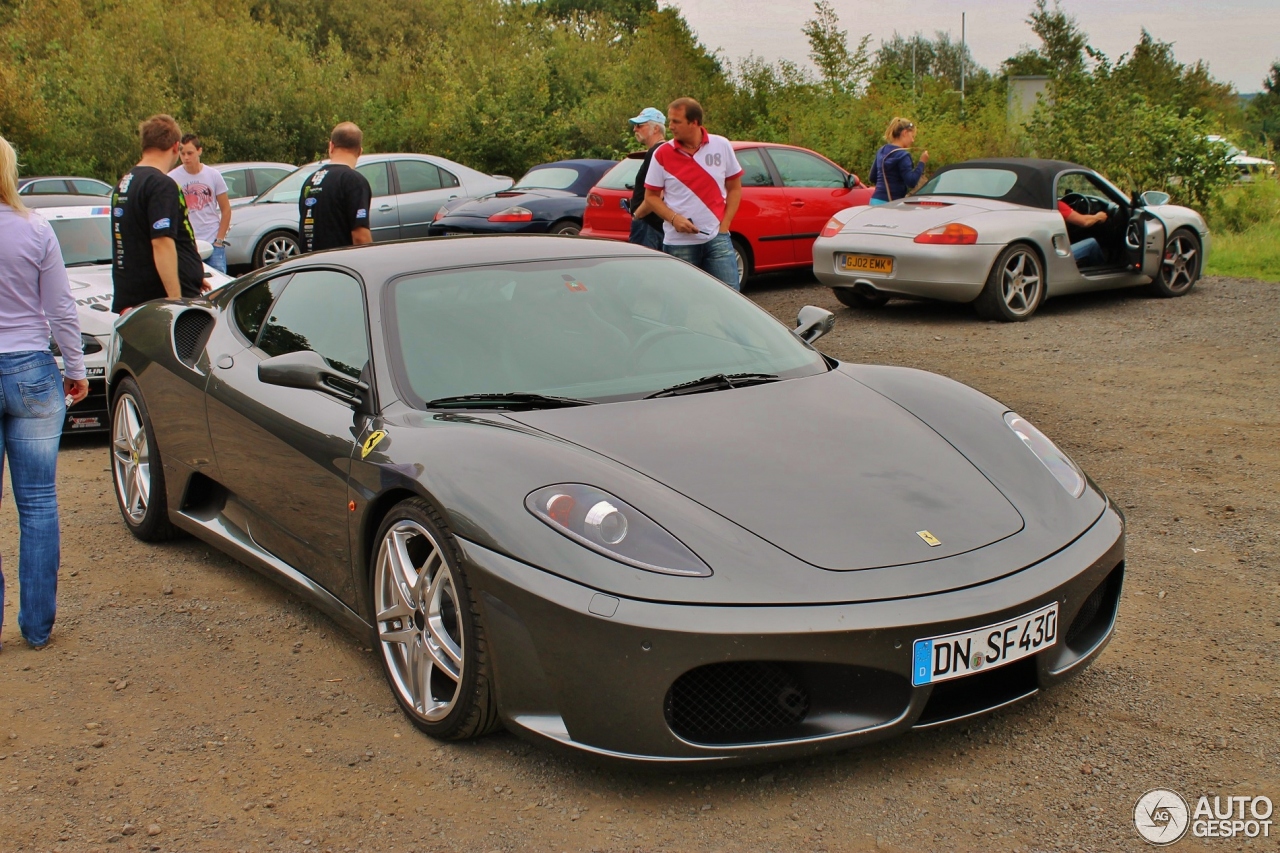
<point>1034,187</point>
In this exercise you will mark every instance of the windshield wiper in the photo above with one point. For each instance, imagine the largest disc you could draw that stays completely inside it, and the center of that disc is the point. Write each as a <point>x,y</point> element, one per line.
<point>715,382</point>
<point>89,263</point>
<point>510,400</point>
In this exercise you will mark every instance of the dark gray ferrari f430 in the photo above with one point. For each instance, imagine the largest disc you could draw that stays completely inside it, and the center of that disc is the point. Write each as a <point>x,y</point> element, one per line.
<point>584,491</point>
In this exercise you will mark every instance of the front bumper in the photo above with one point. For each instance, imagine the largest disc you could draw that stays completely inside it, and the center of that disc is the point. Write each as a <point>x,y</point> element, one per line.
<point>625,679</point>
<point>948,273</point>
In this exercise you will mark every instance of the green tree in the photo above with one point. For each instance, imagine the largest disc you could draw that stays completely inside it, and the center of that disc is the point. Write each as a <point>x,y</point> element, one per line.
<point>1063,44</point>
<point>841,69</point>
<point>1263,113</point>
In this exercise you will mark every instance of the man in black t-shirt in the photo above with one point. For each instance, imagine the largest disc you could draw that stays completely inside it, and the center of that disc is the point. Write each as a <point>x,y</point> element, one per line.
<point>154,248</point>
<point>333,210</point>
<point>646,226</point>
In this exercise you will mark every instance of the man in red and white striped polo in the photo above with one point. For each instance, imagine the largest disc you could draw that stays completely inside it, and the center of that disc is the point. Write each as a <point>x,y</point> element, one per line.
<point>695,184</point>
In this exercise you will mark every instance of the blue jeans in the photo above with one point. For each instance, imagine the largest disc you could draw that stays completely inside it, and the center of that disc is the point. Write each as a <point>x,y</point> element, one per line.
<point>716,256</point>
<point>32,410</point>
<point>218,260</point>
<point>1087,253</point>
<point>644,234</point>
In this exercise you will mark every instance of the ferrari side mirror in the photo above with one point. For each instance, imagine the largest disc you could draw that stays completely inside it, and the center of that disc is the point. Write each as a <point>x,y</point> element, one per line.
<point>307,369</point>
<point>813,322</point>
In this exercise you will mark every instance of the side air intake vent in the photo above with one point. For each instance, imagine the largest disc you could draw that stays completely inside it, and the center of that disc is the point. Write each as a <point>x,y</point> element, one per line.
<point>190,333</point>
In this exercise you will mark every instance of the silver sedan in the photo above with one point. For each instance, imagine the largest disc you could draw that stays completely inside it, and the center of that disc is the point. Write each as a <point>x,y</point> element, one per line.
<point>408,189</point>
<point>995,233</point>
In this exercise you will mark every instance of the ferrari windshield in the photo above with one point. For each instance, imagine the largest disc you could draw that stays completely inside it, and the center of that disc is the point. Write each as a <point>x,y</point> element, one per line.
<point>984,183</point>
<point>84,241</point>
<point>595,329</point>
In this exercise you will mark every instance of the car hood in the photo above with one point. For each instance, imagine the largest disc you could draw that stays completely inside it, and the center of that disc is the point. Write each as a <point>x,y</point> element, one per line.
<point>882,476</point>
<point>910,217</point>
<point>498,202</point>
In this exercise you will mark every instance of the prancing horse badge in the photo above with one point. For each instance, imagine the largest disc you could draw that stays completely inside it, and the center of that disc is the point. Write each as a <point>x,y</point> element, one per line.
<point>371,442</point>
<point>933,541</point>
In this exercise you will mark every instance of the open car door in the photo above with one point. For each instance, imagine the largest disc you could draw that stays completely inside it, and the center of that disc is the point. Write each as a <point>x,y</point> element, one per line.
<point>1144,239</point>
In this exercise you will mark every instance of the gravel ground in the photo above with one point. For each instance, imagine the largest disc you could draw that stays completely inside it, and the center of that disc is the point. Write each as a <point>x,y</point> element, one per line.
<point>187,704</point>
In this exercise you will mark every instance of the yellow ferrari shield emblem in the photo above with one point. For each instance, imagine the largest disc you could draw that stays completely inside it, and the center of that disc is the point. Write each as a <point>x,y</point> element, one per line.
<point>371,442</point>
<point>933,541</point>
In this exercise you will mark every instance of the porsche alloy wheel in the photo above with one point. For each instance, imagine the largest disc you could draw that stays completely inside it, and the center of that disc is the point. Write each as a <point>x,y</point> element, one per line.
<point>1180,267</point>
<point>135,467</point>
<point>428,631</point>
<point>276,247</point>
<point>1015,287</point>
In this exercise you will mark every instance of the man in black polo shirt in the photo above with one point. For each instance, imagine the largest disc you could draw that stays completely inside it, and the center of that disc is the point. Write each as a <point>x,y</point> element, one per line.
<point>333,210</point>
<point>154,247</point>
<point>650,128</point>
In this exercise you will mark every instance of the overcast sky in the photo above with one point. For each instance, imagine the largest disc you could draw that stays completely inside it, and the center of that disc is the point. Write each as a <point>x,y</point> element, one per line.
<point>1239,39</point>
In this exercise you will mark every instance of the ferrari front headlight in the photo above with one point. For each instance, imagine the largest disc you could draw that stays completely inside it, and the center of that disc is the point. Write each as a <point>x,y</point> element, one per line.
<point>610,526</point>
<point>1059,464</point>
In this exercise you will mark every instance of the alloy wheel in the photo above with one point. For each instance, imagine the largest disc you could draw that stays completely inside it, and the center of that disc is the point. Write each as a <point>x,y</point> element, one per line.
<point>418,620</point>
<point>1020,283</point>
<point>1180,265</point>
<point>279,249</point>
<point>131,456</point>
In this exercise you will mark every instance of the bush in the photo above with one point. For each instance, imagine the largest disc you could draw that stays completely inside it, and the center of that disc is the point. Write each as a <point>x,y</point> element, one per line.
<point>1242,206</point>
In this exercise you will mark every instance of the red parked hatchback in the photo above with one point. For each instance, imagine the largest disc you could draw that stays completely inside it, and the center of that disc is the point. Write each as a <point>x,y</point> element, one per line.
<point>788,194</point>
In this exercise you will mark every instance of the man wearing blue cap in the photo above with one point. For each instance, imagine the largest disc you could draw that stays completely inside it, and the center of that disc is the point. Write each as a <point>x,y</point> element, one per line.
<point>646,226</point>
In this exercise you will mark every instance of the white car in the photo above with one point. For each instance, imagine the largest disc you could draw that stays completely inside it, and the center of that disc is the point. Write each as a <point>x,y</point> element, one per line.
<point>408,189</point>
<point>1246,167</point>
<point>84,234</point>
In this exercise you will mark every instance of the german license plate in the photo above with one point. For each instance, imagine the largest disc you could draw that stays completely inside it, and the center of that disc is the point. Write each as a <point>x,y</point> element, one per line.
<point>954,655</point>
<point>456,233</point>
<point>867,263</point>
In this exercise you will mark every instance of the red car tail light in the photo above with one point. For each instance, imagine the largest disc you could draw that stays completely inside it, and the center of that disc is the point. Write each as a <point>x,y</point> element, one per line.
<point>954,234</point>
<point>513,214</point>
<point>832,228</point>
<point>594,200</point>
<point>441,213</point>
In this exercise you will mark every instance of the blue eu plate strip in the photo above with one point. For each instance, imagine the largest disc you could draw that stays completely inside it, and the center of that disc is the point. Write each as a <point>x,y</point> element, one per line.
<point>921,661</point>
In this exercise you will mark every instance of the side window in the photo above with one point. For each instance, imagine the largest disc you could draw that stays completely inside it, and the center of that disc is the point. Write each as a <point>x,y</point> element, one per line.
<point>91,188</point>
<point>417,176</point>
<point>754,172</point>
<point>264,178</point>
<point>448,179</point>
<point>321,311</point>
<point>250,307</point>
<point>237,183</point>
<point>1079,184</point>
<point>800,169</point>
<point>376,175</point>
<point>49,188</point>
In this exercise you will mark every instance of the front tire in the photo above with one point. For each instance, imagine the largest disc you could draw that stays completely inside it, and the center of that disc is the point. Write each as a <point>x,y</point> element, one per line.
<point>1015,286</point>
<point>135,467</point>
<point>430,636</point>
<point>853,299</point>
<point>1180,267</point>
<point>276,247</point>
<point>742,256</point>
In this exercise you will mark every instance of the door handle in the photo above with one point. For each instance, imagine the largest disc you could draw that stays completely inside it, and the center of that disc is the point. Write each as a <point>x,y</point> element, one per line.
<point>385,208</point>
<point>452,197</point>
<point>797,203</point>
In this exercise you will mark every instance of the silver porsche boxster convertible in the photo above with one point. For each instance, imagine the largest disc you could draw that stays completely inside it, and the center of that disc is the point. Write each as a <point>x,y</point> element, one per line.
<point>995,233</point>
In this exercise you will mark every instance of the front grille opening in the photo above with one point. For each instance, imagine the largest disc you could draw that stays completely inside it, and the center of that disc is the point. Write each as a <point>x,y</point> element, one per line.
<point>190,333</point>
<point>762,701</point>
<point>1096,614</point>
<point>982,691</point>
<point>736,702</point>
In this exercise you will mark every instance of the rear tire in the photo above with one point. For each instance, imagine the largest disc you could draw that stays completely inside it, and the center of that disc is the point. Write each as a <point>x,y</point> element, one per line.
<point>743,256</point>
<point>430,635</point>
<point>1180,266</point>
<point>1015,286</point>
<point>136,470</point>
<point>567,227</point>
<point>276,247</point>
<point>853,299</point>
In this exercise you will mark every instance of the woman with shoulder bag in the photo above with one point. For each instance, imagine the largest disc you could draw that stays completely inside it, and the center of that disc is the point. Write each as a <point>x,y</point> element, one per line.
<point>893,174</point>
<point>35,300</point>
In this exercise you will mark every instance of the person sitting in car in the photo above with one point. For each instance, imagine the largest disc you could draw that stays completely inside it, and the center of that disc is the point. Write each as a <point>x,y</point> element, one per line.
<point>1087,252</point>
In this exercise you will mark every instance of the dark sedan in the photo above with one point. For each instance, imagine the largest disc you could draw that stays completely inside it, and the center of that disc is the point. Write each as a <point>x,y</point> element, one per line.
<point>549,199</point>
<point>587,492</point>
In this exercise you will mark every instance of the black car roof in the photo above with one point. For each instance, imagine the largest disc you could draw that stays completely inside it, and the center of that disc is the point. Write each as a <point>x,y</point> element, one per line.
<point>1034,187</point>
<point>378,262</point>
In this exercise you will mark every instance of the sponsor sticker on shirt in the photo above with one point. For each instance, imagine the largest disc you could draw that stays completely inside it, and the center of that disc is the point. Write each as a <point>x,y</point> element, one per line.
<point>362,213</point>
<point>311,201</point>
<point>160,224</point>
<point>119,212</point>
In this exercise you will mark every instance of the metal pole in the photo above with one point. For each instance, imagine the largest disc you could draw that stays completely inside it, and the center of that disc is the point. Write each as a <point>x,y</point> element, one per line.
<point>913,67</point>
<point>962,54</point>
